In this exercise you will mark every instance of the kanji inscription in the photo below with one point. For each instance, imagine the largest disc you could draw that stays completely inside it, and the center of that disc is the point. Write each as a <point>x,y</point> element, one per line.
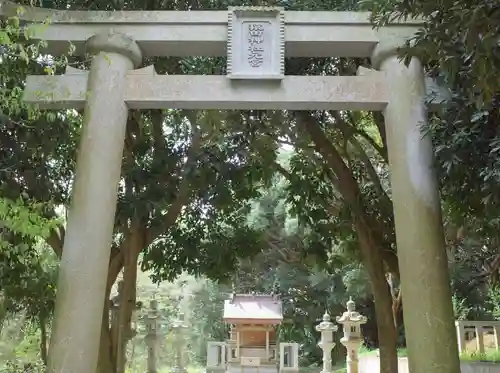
<point>255,43</point>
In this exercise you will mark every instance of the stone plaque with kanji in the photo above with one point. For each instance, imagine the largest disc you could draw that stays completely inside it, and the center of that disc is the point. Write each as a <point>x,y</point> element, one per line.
<point>256,43</point>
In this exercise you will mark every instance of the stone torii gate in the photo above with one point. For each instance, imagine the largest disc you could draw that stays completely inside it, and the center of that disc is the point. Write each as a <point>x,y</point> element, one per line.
<point>256,41</point>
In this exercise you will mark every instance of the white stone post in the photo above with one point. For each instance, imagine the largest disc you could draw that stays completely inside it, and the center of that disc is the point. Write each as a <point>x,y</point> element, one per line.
<point>74,344</point>
<point>237,345</point>
<point>267,345</point>
<point>352,339</point>
<point>152,336</point>
<point>497,337</point>
<point>459,324</point>
<point>216,355</point>
<point>293,357</point>
<point>326,328</point>
<point>423,263</point>
<point>178,328</point>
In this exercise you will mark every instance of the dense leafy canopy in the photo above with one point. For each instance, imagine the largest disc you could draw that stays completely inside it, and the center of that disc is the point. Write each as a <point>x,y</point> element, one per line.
<point>458,43</point>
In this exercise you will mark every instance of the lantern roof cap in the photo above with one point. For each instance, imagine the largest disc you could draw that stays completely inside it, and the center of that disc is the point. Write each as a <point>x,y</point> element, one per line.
<point>351,316</point>
<point>326,324</point>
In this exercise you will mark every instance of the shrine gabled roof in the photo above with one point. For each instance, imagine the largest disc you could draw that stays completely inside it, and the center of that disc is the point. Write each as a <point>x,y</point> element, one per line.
<point>250,308</point>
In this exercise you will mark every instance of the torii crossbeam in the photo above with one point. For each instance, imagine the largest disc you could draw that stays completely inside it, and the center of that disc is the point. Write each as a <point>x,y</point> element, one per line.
<point>144,89</point>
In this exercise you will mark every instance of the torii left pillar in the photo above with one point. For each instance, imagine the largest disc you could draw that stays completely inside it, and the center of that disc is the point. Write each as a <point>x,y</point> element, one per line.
<point>74,344</point>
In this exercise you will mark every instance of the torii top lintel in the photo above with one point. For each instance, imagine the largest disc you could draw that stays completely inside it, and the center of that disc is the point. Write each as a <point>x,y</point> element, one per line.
<point>204,33</point>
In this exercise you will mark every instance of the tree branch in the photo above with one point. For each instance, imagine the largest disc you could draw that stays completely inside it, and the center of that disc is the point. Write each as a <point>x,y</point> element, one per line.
<point>116,262</point>
<point>182,196</point>
<point>157,125</point>
<point>283,171</point>
<point>347,185</point>
<point>371,171</point>
<point>378,118</point>
<point>56,240</point>
<point>351,130</point>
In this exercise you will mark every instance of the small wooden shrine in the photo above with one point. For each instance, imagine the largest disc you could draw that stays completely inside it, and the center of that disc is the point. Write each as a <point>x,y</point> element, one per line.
<point>252,344</point>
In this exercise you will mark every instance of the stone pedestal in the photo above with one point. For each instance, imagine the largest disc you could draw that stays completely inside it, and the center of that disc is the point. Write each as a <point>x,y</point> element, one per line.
<point>352,339</point>
<point>326,328</point>
<point>83,271</point>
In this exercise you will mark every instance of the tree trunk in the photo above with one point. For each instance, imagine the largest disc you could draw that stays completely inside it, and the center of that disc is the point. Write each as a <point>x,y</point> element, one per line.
<point>105,362</point>
<point>134,245</point>
<point>43,339</point>
<point>370,245</point>
<point>3,314</point>
<point>127,303</point>
<point>19,335</point>
<point>374,265</point>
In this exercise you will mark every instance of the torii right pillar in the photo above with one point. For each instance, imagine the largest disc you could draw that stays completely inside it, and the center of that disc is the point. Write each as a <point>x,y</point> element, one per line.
<point>425,283</point>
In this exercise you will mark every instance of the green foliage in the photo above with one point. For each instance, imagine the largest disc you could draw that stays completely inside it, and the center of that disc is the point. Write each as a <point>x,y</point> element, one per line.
<point>458,37</point>
<point>460,308</point>
<point>304,276</point>
<point>25,219</point>
<point>494,301</point>
<point>19,343</point>
<point>199,299</point>
<point>458,44</point>
<point>207,303</point>
<point>27,271</point>
<point>20,367</point>
<point>490,356</point>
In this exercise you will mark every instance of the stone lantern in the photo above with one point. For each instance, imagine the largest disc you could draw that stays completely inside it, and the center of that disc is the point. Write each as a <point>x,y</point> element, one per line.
<point>326,328</point>
<point>152,335</point>
<point>352,339</point>
<point>178,328</point>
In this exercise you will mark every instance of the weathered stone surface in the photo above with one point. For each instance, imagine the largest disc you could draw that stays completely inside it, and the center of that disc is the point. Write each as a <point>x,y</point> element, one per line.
<point>326,328</point>
<point>83,270</point>
<point>256,43</point>
<point>425,283</point>
<point>146,90</point>
<point>204,33</point>
<point>351,321</point>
